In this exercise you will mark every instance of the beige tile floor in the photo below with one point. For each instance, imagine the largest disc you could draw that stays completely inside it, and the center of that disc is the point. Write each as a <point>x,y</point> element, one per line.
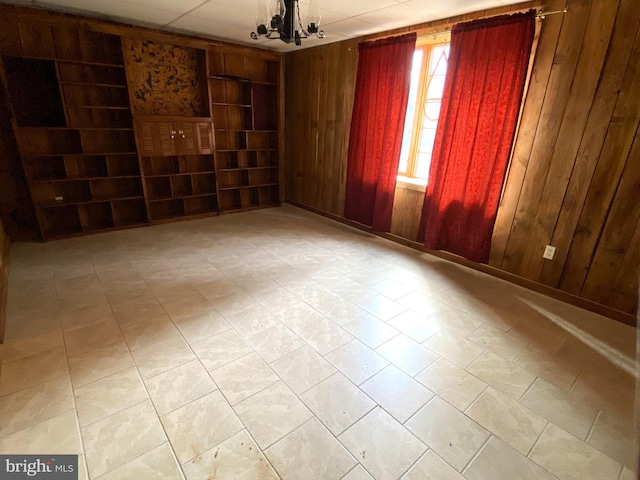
<point>277,344</point>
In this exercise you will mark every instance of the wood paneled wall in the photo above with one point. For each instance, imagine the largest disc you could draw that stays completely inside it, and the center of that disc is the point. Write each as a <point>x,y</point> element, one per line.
<point>4,273</point>
<point>574,178</point>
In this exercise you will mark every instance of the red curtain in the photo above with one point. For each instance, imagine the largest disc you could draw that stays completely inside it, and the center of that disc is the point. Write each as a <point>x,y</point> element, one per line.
<point>382,91</point>
<point>483,90</point>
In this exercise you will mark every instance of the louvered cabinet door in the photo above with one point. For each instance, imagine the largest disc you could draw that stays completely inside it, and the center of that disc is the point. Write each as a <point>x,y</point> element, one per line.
<point>195,138</point>
<point>156,138</point>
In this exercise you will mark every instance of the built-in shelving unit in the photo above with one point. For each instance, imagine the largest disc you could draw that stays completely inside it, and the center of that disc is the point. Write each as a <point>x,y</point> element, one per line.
<point>115,131</point>
<point>178,168</point>
<point>244,93</point>
<point>74,132</point>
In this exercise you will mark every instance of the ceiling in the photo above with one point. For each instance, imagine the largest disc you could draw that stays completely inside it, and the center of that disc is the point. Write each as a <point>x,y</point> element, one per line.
<point>233,20</point>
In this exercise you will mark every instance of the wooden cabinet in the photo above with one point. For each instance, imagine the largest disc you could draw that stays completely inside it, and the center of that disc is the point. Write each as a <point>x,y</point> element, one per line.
<point>244,95</point>
<point>178,167</point>
<point>74,131</point>
<point>163,136</point>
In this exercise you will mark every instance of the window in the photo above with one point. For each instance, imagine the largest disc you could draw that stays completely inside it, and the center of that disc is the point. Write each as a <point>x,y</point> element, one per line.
<point>425,95</point>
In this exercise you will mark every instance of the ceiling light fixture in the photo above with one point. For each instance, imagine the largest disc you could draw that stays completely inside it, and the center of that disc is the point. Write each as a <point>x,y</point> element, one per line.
<point>282,21</point>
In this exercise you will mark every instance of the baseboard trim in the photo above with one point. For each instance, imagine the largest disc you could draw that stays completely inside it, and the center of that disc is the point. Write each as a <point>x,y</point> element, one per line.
<point>537,287</point>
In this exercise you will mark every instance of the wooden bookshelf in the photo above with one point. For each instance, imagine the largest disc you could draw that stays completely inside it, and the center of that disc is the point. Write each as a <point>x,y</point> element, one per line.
<point>178,166</point>
<point>74,131</point>
<point>244,103</point>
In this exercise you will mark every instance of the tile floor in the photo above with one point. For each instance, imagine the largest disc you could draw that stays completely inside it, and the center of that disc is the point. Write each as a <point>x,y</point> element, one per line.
<point>277,344</point>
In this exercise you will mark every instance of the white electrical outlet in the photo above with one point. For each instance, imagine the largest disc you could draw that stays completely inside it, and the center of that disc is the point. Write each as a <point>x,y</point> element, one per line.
<point>59,199</point>
<point>549,252</point>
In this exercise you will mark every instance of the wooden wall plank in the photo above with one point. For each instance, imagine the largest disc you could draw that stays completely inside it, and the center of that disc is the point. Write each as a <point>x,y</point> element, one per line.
<point>593,139</point>
<point>623,295</point>
<point>583,88</point>
<point>529,120</point>
<point>606,178</point>
<point>548,127</point>
<point>618,230</point>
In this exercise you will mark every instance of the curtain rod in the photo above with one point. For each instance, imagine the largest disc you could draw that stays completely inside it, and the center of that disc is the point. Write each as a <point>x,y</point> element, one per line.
<point>541,15</point>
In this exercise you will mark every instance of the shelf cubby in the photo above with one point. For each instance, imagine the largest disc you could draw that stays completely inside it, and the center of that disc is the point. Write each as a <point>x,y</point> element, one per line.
<point>196,163</point>
<point>59,221</point>
<point>109,189</point>
<point>96,216</point>
<point>128,213</point>
<point>263,176</point>
<point>158,188</point>
<point>153,166</point>
<point>204,183</point>
<point>123,165</point>
<point>181,186</point>
<point>45,168</point>
<point>200,205</point>
<point>166,209</point>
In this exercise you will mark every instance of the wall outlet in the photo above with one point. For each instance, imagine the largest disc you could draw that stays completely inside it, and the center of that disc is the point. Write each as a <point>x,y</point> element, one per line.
<point>59,199</point>
<point>549,252</point>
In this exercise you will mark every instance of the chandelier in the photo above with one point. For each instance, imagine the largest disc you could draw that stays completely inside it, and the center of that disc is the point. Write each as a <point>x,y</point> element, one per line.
<point>282,21</point>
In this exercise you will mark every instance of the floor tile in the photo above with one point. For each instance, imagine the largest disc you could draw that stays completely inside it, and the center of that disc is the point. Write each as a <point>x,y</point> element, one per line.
<point>571,459</point>
<point>274,342</point>
<point>302,369</point>
<point>337,403</point>
<point>310,451</point>
<point>276,299</point>
<point>452,435</point>
<point>299,316</point>
<point>86,316</point>
<point>396,392</point>
<point>452,383</point>
<point>186,307</point>
<point>544,338</point>
<point>548,367</point>
<point>560,407</point>
<point>457,350</point>
<point>58,435</point>
<point>252,321</point>
<point>502,375</point>
<point>614,435</point>
<point>233,303</point>
<point>358,473</point>
<point>382,307</point>
<point>237,457</point>
<point>90,338</point>
<point>497,341</point>
<point>382,445</point>
<point>36,342</point>
<point>137,429</point>
<point>498,461</point>
<point>407,354</point>
<point>157,463</point>
<point>371,331</point>
<point>271,414</point>
<point>243,377</point>
<point>507,419</point>
<point>391,289</point>
<point>162,356</point>
<point>177,387</point>
<point>138,311</point>
<point>423,304</point>
<point>202,325</point>
<point>432,467</point>
<point>415,325</point>
<point>324,336</point>
<point>189,428</point>
<point>32,405</point>
<point>340,310</point>
<point>147,332</point>
<point>356,361</point>
<point>216,351</point>
<point>32,370</point>
<point>455,321</point>
<point>99,363</point>
<point>109,395</point>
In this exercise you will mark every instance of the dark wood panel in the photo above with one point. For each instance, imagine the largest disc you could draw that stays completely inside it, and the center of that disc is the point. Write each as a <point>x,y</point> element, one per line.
<point>4,274</point>
<point>593,138</point>
<point>547,130</point>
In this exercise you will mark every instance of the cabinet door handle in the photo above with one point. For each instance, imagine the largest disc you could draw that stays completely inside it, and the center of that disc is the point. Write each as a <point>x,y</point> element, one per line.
<point>181,132</point>
<point>173,134</point>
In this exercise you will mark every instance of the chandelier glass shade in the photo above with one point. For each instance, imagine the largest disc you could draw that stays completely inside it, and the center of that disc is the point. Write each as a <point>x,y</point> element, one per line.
<point>281,20</point>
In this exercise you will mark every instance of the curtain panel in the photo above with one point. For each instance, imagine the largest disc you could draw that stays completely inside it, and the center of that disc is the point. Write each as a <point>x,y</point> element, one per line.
<point>375,140</point>
<point>482,95</point>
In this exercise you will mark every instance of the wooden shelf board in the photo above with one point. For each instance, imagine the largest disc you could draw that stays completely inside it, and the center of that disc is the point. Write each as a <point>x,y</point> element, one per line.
<point>181,197</point>
<point>223,104</point>
<point>81,179</point>
<point>87,62</point>
<point>237,169</point>
<point>96,84</point>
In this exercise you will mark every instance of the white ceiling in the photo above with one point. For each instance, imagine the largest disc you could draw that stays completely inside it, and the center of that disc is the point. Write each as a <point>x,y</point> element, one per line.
<point>233,20</point>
